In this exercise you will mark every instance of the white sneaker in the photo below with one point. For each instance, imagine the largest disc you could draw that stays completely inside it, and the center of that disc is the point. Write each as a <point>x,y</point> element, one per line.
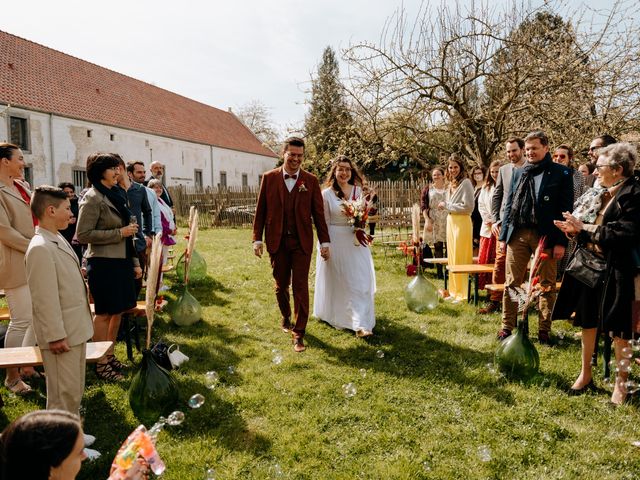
<point>88,439</point>
<point>92,454</point>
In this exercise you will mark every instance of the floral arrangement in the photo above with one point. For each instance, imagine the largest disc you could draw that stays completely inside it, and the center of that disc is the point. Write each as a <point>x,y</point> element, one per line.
<point>532,289</point>
<point>414,248</point>
<point>357,212</point>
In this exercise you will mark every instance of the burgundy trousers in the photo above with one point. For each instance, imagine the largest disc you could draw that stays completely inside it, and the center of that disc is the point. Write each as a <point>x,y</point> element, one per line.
<point>290,266</point>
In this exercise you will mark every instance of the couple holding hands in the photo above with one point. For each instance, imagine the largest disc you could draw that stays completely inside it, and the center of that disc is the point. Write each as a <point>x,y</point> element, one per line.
<point>290,199</point>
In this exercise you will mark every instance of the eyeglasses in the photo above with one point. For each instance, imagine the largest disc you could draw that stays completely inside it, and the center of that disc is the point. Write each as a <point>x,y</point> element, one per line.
<point>598,167</point>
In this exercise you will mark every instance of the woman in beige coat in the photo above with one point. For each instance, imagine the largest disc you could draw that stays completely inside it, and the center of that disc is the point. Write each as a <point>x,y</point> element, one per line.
<point>16,229</point>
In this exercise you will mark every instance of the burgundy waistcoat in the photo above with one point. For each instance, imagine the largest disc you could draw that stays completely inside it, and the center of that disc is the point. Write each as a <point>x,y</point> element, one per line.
<point>289,226</point>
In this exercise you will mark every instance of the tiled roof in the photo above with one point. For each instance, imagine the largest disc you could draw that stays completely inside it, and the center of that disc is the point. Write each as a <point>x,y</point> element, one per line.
<point>39,78</point>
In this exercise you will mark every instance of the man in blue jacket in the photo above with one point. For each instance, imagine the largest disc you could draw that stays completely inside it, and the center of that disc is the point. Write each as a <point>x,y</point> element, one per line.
<point>539,193</point>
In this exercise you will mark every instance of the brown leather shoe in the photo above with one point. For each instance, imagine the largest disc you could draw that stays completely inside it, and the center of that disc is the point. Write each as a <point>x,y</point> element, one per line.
<point>298,345</point>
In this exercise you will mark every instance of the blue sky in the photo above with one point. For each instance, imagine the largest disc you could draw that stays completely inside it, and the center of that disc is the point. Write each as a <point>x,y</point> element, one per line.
<point>218,52</point>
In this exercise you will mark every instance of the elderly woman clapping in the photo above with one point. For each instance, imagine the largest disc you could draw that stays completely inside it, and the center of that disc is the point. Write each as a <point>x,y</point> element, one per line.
<point>606,223</point>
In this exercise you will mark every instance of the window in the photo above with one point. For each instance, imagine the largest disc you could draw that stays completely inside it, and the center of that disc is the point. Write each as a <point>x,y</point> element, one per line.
<point>19,132</point>
<point>223,179</point>
<point>89,133</point>
<point>112,137</point>
<point>197,178</point>
<point>79,179</point>
<point>28,174</point>
<point>245,180</point>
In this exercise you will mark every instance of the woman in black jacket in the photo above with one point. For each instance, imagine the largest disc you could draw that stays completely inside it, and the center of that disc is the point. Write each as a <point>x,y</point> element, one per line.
<point>606,221</point>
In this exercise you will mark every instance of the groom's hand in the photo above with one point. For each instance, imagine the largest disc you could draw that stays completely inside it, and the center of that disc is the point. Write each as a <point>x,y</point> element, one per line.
<point>257,249</point>
<point>324,253</point>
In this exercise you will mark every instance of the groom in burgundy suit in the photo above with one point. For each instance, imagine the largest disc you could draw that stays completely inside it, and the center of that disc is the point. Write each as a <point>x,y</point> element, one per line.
<point>289,198</point>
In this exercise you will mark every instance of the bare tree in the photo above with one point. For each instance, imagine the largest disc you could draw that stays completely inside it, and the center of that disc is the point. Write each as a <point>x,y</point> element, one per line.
<point>464,79</point>
<point>257,118</point>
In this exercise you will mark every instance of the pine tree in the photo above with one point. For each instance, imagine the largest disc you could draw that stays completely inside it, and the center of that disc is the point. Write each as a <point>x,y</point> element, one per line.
<point>328,122</point>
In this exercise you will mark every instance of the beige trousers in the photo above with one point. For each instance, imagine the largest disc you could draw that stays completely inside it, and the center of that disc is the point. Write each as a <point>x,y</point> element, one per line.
<point>523,244</point>
<point>65,378</point>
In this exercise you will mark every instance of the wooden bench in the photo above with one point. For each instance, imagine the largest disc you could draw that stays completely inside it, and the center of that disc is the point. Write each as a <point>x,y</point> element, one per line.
<point>473,270</point>
<point>31,356</point>
<point>443,261</point>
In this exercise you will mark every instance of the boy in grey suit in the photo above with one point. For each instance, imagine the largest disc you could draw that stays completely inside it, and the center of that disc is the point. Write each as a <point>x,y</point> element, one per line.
<point>61,315</point>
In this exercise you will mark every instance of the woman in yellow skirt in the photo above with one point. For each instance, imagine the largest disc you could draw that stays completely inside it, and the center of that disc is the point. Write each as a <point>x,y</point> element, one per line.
<point>459,203</point>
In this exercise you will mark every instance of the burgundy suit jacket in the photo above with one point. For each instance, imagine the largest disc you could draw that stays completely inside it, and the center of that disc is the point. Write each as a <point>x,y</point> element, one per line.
<point>269,216</point>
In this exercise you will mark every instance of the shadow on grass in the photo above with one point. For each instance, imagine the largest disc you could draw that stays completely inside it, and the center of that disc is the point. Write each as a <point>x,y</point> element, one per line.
<point>204,291</point>
<point>221,419</point>
<point>412,354</point>
<point>217,417</point>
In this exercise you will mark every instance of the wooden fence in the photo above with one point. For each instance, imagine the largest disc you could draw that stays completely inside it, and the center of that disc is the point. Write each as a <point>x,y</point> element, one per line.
<point>235,206</point>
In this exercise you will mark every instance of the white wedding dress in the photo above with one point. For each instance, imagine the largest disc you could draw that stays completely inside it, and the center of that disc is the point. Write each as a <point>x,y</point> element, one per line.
<point>346,283</point>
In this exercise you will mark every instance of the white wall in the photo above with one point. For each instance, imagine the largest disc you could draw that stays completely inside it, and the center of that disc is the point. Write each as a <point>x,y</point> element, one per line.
<point>236,163</point>
<point>71,147</point>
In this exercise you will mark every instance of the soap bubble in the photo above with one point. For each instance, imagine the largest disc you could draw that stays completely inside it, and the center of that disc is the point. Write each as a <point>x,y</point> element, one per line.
<point>246,327</point>
<point>636,443</point>
<point>484,453</point>
<point>231,369</point>
<point>363,372</point>
<point>196,401</point>
<point>627,352</point>
<point>380,354</point>
<point>277,359</point>
<point>426,467</point>
<point>210,474</point>
<point>277,470</point>
<point>349,390</point>
<point>624,365</point>
<point>423,328</point>
<point>609,382</point>
<point>211,379</point>
<point>175,418</point>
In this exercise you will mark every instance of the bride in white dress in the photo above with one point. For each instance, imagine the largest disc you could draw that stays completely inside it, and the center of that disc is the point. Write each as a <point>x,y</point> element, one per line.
<point>346,283</point>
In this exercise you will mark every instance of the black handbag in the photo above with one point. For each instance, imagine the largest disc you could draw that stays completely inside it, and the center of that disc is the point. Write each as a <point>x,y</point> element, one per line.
<point>586,267</point>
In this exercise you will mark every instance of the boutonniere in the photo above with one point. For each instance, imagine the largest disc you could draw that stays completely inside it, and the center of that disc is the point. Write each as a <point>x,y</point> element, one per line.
<point>302,187</point>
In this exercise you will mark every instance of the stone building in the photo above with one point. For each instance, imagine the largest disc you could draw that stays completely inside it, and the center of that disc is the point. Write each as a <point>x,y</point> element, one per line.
<point>60,109</point>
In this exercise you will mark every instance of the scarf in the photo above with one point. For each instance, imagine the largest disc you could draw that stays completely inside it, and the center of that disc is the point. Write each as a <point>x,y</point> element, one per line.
<point>589,204</point>
<point>118,196</point>
<point>523,210</point>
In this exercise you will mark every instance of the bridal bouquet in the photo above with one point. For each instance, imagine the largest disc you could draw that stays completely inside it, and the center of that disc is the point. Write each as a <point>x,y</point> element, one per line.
<point>357,212</point>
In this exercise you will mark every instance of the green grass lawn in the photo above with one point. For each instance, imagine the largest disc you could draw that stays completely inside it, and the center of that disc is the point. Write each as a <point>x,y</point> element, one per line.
<point>432,407</point>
